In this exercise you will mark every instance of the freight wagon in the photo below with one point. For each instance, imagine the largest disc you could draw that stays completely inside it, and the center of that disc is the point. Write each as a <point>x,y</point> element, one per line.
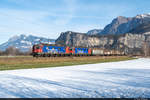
<point>97,52</point>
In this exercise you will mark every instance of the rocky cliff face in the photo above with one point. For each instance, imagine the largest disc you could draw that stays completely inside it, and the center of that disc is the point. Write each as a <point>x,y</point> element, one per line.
<point>132,40</point>
<point>131,43</point>
<point>82,40</point>
<point>134,43</point>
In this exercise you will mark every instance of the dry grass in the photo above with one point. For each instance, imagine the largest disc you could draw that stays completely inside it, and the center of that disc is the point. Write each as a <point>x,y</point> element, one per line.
<point>22,62</point>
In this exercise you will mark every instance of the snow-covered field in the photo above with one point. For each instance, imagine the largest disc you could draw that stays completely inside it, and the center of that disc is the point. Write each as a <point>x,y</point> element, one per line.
<point>116,79</point>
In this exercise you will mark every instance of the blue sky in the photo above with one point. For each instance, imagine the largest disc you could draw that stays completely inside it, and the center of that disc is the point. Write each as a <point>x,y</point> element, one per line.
<point>48,18</point>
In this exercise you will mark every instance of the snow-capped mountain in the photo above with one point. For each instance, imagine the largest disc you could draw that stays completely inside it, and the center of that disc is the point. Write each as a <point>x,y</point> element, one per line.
<point>143,15</point>
<point>24,43</point>
<point>121,24</point>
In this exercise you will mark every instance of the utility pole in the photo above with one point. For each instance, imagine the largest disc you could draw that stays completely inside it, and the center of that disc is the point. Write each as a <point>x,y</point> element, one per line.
<point>48,40</point>
<point>146,48</point>
<point>40,41</point>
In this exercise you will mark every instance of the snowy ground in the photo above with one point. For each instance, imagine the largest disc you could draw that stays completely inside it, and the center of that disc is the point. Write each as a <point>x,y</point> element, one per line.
<point>117,79</point>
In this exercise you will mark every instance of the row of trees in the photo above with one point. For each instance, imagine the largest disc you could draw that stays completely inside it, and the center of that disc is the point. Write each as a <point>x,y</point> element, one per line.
<point>12,51</point>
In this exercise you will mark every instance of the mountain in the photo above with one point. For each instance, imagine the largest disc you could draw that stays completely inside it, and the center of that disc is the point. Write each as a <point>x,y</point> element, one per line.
<point>121,24</point>
<point>129,43</point>
<point>94,31</point>
<point>24,43</point>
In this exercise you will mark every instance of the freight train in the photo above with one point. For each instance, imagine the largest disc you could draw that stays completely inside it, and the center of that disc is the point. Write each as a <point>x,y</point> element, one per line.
<point>52,50</point>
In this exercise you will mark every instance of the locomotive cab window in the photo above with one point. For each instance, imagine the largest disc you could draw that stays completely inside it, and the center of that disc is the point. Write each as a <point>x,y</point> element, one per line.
<point>37,47</point>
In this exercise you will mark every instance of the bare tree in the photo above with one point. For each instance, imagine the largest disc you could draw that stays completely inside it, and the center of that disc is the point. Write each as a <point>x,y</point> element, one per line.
<point>1,53</point>
<point>29,52</point>
<point>12,51</point>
